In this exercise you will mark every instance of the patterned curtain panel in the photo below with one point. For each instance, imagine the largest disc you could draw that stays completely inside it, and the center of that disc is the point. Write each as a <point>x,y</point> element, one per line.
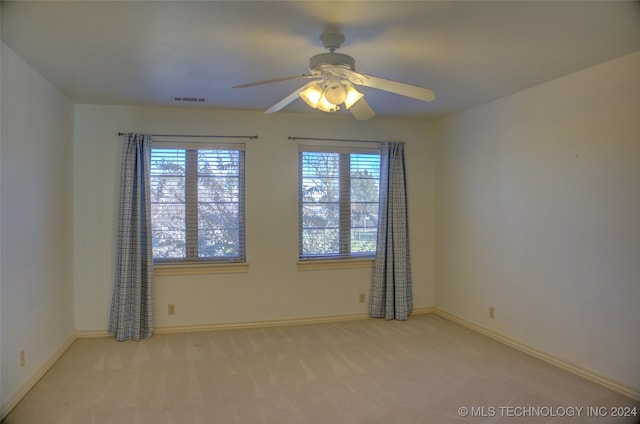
<point>132,303</point>
<point>391,295</point>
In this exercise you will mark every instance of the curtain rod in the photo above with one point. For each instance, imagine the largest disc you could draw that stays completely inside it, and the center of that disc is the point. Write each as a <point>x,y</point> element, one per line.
<point>335,139</point>
<point>251,137</point>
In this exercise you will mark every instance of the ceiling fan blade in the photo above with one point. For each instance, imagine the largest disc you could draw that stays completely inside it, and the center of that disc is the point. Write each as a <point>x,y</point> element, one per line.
<point>253,84</point>
<point>361,110</point>
<point>290,98</point>
<point>401,88</point>
<point>391,86</point>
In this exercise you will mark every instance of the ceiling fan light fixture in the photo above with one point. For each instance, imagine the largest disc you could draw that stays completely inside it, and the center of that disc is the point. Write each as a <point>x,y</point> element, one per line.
<point>322,96</point>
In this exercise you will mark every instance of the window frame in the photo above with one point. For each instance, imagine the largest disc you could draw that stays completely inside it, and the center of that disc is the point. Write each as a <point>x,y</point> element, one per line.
<point>191,264</point>
<point>345,258</point>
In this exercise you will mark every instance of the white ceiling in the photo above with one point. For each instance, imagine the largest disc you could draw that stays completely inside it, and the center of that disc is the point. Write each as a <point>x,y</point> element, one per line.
<point>468,52</point>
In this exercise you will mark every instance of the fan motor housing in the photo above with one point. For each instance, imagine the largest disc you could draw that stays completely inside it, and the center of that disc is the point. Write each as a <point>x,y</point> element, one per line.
<point>336,59</point>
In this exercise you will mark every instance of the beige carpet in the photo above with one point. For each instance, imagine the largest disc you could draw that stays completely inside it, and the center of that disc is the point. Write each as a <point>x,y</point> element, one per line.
<point>368,371</point>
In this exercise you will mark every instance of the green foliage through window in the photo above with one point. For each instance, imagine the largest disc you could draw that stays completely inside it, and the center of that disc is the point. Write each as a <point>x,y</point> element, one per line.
<point>197,204</point>
<point>338,204</point>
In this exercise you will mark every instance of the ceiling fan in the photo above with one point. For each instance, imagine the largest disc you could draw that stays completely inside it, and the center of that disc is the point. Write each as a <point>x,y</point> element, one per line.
<point>334,79</point>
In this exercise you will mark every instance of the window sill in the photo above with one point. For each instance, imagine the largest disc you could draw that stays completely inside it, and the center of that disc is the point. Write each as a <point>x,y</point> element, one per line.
<point>322,264</point>
<point>195,269</point>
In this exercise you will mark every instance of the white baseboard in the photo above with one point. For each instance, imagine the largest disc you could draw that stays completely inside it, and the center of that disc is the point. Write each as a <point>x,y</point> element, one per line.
<point>424,310</point>
<point>615,385</point>
<point>35,377</point>
<point>234,325</point>
<point>87,334</point>
<point>259,324</point>
<point>251,324</point>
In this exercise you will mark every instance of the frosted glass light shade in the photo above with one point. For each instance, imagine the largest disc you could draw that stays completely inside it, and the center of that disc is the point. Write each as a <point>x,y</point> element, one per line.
<point>311,95</point>
<point>353,96</point>
<point>326,106</point>
<point>335,93</point>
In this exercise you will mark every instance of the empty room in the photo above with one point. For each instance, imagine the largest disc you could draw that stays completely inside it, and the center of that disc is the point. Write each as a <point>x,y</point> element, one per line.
<point>319,212</point>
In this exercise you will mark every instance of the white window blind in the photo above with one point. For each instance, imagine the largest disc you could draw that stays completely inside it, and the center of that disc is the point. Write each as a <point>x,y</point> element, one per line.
<point>338,202</point>
<point>197,202</point>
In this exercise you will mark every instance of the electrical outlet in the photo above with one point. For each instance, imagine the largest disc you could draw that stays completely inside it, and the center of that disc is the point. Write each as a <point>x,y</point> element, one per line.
<point>23,360</point>
<point>362,297</point>
<point>492,312</point>
<point>172,309</point>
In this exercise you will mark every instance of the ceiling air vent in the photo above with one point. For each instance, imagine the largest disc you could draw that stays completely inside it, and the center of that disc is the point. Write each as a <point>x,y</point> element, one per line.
<point>192,100</point>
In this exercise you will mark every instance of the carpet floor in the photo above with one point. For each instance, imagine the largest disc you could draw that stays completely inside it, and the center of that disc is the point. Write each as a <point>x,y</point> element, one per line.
<point>424,370</point>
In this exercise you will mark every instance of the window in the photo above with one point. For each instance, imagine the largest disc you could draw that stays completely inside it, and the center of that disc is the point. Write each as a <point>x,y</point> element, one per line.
<point>338,203</point>
<point>197,202</point>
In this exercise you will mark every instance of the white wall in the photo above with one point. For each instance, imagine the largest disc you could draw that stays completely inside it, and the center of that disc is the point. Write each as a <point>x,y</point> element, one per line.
<point>538,214</point>
<point>273,288</point>
<point>36,252</point>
